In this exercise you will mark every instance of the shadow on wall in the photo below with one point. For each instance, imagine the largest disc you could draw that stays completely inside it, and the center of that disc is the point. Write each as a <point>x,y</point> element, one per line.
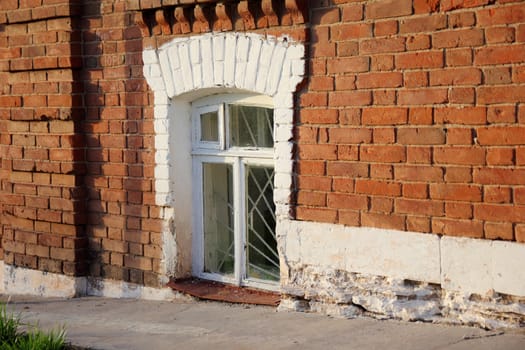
<point>119,151</point>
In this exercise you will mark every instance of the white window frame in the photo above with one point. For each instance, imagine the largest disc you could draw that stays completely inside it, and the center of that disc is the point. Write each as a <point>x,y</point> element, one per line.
<point>239,158</point>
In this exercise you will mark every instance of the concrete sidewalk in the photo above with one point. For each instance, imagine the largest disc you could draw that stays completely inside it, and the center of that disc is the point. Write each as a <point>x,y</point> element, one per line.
<point>100,323</point>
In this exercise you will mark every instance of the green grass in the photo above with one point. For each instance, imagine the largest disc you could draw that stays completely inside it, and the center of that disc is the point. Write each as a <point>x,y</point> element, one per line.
<point>12,337</point>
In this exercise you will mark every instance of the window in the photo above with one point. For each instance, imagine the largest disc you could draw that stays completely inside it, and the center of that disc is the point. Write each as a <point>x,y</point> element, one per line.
<point>234,221</point>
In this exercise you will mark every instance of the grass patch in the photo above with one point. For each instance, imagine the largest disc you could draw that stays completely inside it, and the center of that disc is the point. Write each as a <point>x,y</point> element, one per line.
<point>15,335</point>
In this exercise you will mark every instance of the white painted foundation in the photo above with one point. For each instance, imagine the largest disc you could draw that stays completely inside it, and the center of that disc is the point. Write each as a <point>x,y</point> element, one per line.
<point>349,271</point>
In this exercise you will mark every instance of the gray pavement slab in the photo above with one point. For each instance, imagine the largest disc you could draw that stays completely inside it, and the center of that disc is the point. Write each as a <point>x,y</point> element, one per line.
<point>107,324</point>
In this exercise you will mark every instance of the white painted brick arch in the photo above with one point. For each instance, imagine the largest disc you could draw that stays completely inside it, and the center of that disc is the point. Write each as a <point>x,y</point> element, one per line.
<point>187,68</point>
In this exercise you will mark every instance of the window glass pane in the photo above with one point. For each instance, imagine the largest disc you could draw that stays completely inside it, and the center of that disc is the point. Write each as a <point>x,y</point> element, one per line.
<point>210,126</point>
<point>219,249</point>
<point>250,126</point>
<point>262,260</point>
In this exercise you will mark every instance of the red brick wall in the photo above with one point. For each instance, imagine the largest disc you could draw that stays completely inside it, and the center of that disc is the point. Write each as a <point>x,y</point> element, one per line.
<point>412,118</point>
<point>41,151</point>
<point>425,125</point>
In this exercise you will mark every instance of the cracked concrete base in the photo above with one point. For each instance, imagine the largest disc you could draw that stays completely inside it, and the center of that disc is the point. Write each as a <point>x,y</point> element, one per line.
<point>344,294</point>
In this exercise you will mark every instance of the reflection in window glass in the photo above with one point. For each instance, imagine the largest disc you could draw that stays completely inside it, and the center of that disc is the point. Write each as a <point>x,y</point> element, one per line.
<point>250,126</point>
<point>210,126</point>
<point>218,218</point>
<point>262,259</point>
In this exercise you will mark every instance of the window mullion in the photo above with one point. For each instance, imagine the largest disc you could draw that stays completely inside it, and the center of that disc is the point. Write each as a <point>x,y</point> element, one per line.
<point>240,224</point>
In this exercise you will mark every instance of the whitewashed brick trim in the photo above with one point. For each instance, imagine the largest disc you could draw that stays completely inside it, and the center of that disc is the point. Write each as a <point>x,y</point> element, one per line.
<point>248,62</point>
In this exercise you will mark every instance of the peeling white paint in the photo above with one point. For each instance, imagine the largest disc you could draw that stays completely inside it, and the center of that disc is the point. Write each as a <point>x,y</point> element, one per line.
<point>32,282</point>
<point>118,289</point>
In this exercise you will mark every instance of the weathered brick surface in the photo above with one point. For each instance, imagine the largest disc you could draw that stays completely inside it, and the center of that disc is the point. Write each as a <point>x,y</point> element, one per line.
<point>412,118</point>
<point>446,87</point>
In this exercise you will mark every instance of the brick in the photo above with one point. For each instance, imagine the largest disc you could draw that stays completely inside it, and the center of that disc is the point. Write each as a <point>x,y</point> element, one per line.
<point>383,154</point>
<point>347,48</point>
<point>423,96</point>
<point>459,57</point>
<point>496,76</point>
<point>458,210</point>
<point>423,24</point>
<point>383,135</point>
<point>421,136</point>
<point>388,8</point>
<point>349,217</point>
<point>501,114</point>
<point>418,42</point>
<point>419,155</point>
<point>459,136</point>
<point>382,63</point>
<point>350,98</point>
<point>386,221</point>
<point>382,45</point>
<point>426,6</point>
<point>352,12</point>
<point>500,94</point>
<point>418,224</point>
<point>347,201</point>
<point>501,15</point>
<point>429,59</point>
<point>381,204</point>
<point>384,28</point>
<point>420,115</point>
<point>418,173</point>
<point>379,80</point>
<point>500,156</point>
<point>311,198</point>
<point>455,227</point>
<point>462,115</point>
<point>316,183</point>
<point>419,207</point>
<point>496,194</point>
<point>456,192</point>
<point>458,38</point>
<point>519,233</point>
<point>500,35</point>
<point>314,99</point>
<point>138,262</point>
<point>459,155</point>
<point>499,230</point>
<point>461,95</point>
<point>499,176</point>
<point>499,213</point>
<point>384,116</point>
<point>384,97</point>
<point>349,65</point>
<point>449,5</point>
<point>343,82</point>
<point>491,55</point>
<point>350,169</point>
<point>380,188</point>
<point>350,31</point>
<point>311,167</point>
<point>324,16</point>
<point>316,214</point>
<point>501,135</point>
<point>341,184</point>
<point>313,152</point>
<point>350,135</point>
<point>458,76</point>
<point>381,171</point>
<point>461,19</point>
